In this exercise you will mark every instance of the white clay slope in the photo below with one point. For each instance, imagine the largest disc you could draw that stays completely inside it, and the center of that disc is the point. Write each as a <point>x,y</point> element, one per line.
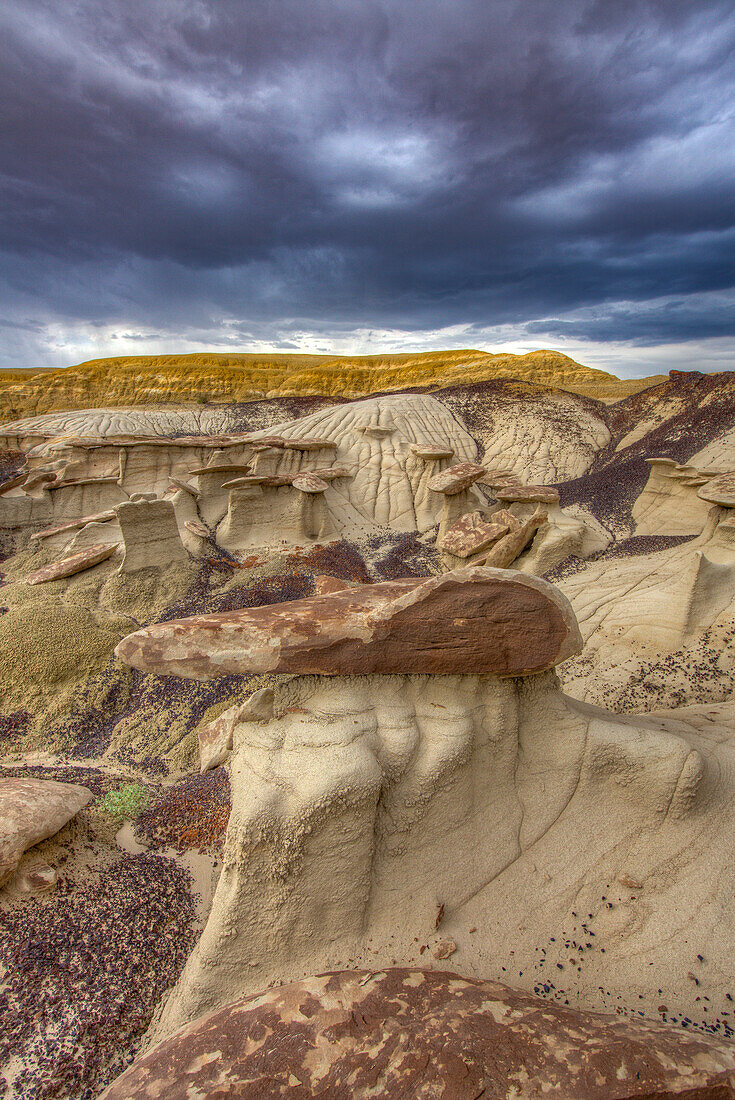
<point>365,808</point>
<point>543,438</point>
<point>374,441</point>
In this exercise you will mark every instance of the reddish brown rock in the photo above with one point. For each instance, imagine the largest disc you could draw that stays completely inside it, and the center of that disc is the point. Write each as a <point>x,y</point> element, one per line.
<point>39,878</point>
<point>73,525</point>
<point>533,494</point>
<point>720,490</point>
<point>468,621</point>
<point>498,481</point>
<point>504,552</point>
<point>76,563</point>
<point>455,479</point>
<point>324,585</point>
<point>423,1034</point>
<point>309,483</point>
<point>246,482</point>
<point>470,534</point>
<point>109,479</point>
<point>32,810</point>
<point>197,528</point>
<point>13,482</point>
<point>271,481</point>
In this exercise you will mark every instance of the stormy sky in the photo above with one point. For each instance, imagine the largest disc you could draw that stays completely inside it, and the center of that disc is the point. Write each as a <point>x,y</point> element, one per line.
<point>344,176</point>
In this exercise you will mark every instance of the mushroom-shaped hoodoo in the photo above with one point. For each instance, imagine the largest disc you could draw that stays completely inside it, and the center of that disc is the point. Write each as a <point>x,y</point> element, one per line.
<point>456,486</point>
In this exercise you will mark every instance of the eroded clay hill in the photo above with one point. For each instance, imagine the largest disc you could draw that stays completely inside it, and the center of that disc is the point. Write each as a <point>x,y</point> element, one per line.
<point>145,380</point>
<point>425,693</point>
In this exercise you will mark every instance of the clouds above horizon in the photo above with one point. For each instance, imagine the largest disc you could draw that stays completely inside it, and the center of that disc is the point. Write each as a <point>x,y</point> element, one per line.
<point>349,175</point>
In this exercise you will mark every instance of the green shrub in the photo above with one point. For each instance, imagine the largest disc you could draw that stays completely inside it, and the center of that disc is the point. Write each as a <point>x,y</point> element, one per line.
<point>125,803</point>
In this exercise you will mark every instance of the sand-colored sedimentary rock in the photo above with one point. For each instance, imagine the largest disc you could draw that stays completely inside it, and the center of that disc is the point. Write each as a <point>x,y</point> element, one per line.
<point>421,1033</point>
<point>364,804</point>
<point>74,525</point>
<point>32,810</point>
<point>672,500</point>
<point>472,620</point>
<point>385,482</point>
<point>658,627</point>
<point>150,535</point>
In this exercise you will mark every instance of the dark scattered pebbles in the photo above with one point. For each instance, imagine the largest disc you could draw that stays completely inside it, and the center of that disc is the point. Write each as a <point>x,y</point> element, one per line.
<point>84,972</point>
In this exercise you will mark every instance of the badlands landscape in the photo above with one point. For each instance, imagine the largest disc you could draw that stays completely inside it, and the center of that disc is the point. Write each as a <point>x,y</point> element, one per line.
<point>366,730</point>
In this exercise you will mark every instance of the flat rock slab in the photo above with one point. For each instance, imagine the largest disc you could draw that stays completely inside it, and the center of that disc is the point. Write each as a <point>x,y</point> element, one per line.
<point>74,524</point>
<point>456,479</point>
<point>76,563</point>
<point>329,473</point>
<point>197,528</point>
<point>423,1034</point>
<point>32,810</point>
<point>433,454</point>
<point>178,483</point>
<point>472,620</point>
<point>309,483</point>
<point>221,468</point>
<point>534,494</point>
<point>247,482</point>
<point>470,534</point>
<point>720,490</point>
<point>312,444</point>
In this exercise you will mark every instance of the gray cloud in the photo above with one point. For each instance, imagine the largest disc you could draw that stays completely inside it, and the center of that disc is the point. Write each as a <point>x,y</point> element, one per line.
<point>343,165</point>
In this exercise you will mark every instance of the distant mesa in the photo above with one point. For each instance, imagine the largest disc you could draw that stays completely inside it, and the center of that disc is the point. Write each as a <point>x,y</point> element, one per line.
<point>157,379</point>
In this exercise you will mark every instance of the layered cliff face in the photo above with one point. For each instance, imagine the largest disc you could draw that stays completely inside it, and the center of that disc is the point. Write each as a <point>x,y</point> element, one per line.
<point>146,380</point>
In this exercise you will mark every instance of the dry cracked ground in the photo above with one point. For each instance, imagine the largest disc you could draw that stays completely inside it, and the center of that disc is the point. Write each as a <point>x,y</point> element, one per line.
<point>377,747</point>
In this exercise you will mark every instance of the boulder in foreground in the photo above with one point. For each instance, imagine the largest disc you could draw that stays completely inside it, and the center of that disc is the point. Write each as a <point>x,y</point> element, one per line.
<point>468,621</point>
<point>423,1034</point>
<point>32,810</point>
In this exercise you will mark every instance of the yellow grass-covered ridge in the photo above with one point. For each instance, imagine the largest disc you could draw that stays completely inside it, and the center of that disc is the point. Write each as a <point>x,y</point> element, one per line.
<point>155,379</point>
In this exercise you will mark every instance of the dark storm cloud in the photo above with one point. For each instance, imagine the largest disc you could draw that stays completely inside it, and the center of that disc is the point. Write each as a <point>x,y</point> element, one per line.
<point>398,163</point>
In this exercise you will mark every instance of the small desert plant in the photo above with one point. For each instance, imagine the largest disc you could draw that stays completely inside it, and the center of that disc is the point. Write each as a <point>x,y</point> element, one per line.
<point>125,803</point>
